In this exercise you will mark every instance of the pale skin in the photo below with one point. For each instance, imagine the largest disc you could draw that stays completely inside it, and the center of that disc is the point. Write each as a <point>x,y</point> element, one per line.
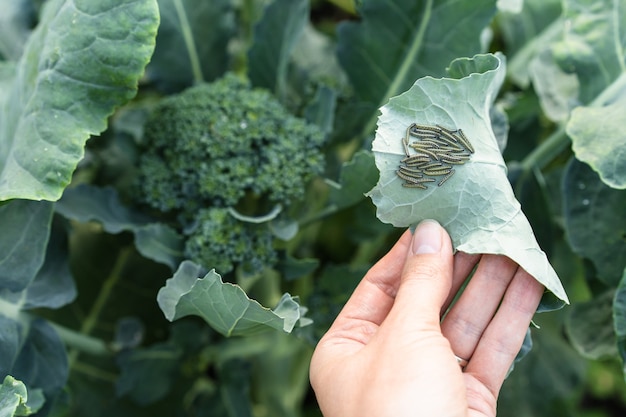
<point>389,354</point>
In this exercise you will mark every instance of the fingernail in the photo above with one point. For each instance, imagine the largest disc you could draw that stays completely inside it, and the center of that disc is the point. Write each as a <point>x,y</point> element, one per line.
<point>427,237</point>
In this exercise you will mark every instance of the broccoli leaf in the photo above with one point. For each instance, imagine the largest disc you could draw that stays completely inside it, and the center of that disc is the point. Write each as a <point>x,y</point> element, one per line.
<point>476,205</point>
<point>14,399</point>
<point>598,139</point>
<point>83,60</point>
<point>274,38</point>
<point>357,177</point>
<point>585,200</point>
<point>593,48</point>
<point>224,306</point>
<point>42,360</point>
<point>25,227</point>
<point>419,38</point>
<point>619,317</point>
<point>590,327</point>
<point>155,241</point>
<point>86,203</point>
<point>53,286</point>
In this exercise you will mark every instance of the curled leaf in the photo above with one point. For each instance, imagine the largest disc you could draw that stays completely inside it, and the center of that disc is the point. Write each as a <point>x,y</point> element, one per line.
<point>224,306</point>
<point>476,204</point>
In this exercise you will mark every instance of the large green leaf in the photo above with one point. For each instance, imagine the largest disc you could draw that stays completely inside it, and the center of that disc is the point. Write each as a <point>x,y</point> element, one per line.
<point>593,48</point>
<point>357,177</point>
<point>25,227</point>
<point>598,138</point>
<point>275,35</point>
<point>590,327</point>
<point>396,42</point>
<point>595,221</point>
<point>83,60</point>
<point>476,205</point>
<point>42,359</point>
<point>155,241</point>
<point>619,317</point>
<point>53,286</point>
<point>225,306</point>
<point>594,44</point>
<point>158,364</point>
<point>191,44</point>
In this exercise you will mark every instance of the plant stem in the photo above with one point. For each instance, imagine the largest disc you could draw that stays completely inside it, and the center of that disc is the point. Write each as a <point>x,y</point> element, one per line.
<point>103,297</point>
<point>549,149</point>
<point>81,342</point>
<point>196,69</point>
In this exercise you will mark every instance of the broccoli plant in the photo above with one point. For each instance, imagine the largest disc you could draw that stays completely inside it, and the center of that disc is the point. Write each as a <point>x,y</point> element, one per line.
<point>221,152</point>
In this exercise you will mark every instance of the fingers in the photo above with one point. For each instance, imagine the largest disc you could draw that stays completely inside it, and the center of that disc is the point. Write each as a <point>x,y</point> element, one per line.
<point>426,279</point>
<point>469,317</point>
<point>504,336</point>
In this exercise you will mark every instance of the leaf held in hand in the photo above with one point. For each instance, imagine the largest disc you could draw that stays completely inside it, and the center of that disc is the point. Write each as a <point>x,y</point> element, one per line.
<point>476,205</point>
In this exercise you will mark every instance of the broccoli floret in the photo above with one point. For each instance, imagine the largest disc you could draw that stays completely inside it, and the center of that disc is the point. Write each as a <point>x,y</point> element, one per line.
<point>225,145</point>
<point>221,141</point>
<point>224,241</point>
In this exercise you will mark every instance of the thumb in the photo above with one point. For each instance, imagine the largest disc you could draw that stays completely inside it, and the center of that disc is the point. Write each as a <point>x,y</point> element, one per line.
<point>427,275</point>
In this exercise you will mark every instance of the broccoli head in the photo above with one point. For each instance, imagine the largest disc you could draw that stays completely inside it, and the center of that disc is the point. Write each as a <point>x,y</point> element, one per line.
<point>214,144</point>
<point>219,146</point>
<point>224,241</point>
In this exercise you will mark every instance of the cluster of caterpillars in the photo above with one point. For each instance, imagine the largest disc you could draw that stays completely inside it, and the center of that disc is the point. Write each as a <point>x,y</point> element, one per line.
<point>433,155</point>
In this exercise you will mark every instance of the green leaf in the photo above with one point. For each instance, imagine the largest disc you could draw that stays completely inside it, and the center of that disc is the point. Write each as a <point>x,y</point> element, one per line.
<point>157,364</point>
<point>160,243</point>
<point>13,398</point>
<point>293,268</point>
<point>53,286</point>
<point>510,6</point>
<point>594,44</point>
<point>25,227</point>
<point>619,317</point>
<point>321,110</point>
<point>16,22</point>
<point>224,306</point>
<point>83,60</point>
<point>395,43</point>
<point>357,177</point>
<point>593,48</point>
<point>476,205</point>
<point>10,343</point>
<point>598,139</point>
<point>595,221</point>
<point>275,35</point>
<point>86,203</point>
<point>590,327</point>
<point>191,45</point>
<point>557,90</point>
<point>42,360</point>
<point>528,33</point>
<point>550,373</point>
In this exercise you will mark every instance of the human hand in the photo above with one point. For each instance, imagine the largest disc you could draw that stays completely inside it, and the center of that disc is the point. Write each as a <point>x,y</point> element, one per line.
<point>389,354</point>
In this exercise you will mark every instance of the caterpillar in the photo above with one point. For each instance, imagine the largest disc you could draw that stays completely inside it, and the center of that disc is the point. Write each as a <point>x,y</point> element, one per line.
<point>431,152</point>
